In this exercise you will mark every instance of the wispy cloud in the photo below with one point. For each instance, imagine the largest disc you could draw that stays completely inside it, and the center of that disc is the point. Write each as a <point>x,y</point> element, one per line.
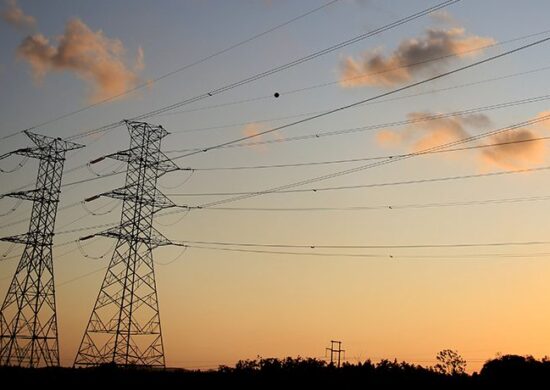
<point>444,17</point>
<point>140,62</point>
<point>411,58</point>
<point>514,155</point>
<point>509,155</point>
<point>90,55</point>
<point>428,133</point>
<point>15,16</point>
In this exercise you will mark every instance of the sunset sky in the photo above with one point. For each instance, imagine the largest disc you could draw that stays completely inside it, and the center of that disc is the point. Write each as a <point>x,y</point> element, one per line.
<point>430,284</point>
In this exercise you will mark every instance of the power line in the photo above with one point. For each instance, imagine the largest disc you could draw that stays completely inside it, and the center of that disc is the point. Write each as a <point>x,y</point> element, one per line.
<point>178,70</point>
<point>320,189</point>
<point>424,118</point>
<point>372,185</point>
<point>388,207</point>
<point>366,74</point>
<point>277,69</point>
<point>326,84</point>
<point>543,97</point>
<point>68,281</point>
<point>114,125</point>
<point>350,208</point>
<point>341,132</point>
<point>360,102</point>
<point>378,163</point>
<point>69,206</point>
<point>356,208</point>
<point>389,246</point>
<point>357,129</point>
<point>7,258</point>
<point>343,161</point>
<point>82,229</point>
<point>344,255</point>
<point>386,256</point>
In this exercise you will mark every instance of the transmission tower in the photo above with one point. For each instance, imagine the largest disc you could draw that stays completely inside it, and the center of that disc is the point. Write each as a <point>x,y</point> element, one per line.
<point>124,327</point>
<point>335,351</point>
<point>28,321</point>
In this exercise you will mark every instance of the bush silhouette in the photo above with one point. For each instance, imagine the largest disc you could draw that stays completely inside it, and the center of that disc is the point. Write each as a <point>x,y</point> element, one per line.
<point>291,373</point>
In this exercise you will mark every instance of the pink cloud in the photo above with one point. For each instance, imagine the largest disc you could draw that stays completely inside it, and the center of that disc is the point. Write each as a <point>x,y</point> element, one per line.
<point>15,16</point>
<point>510,154</point>
<point>375,69</point>
<point>90,55</point>
<point>514,155</point>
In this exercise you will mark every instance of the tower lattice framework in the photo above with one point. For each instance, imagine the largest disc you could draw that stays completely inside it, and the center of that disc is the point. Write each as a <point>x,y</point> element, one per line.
<point>124,327</point>
<point>28,320</point>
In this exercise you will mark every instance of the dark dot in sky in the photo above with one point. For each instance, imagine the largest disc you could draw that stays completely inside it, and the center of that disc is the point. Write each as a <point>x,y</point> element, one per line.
<point>276,94</point>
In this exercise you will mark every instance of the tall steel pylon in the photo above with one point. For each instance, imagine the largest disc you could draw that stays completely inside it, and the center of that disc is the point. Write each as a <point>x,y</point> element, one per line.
<point>124,327</point>
<point>28,320</point>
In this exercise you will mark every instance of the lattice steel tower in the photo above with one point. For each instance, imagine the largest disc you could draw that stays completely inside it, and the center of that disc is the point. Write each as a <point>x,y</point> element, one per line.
<point>28,321</point>
<point>124,327</point>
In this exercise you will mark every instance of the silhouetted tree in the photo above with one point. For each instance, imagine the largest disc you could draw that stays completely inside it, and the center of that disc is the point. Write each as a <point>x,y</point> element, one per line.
<point>516,370</point>
<point>507,371</point>
<point>450,363</point>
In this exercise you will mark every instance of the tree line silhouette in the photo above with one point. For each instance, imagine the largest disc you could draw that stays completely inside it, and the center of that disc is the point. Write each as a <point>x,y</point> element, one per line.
<point>274,373</point>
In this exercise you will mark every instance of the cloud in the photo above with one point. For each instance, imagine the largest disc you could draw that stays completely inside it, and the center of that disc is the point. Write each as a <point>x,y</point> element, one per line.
<point>253,129</point>
<point>389,138</point>
<point>140,63</point>
<point>443,16</point>
<point>375,69</point>
<point>438,132</point>
<point>545,124</point>
<point>511,155</point>
<point>15,16</point>
<point>426,133</point>
<point>514,155</point>
<point>90,55</point>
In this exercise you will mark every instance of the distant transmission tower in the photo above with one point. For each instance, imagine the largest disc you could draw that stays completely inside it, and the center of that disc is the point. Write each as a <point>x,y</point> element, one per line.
<point>124,327</point>
<point>28,321</point>
<point>335,351</point>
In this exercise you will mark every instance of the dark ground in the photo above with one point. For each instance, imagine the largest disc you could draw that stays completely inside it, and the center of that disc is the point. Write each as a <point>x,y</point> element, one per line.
<point>508,371</point>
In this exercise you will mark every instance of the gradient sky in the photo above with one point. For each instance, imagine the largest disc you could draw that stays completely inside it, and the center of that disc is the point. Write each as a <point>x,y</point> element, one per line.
<point>218,307</point>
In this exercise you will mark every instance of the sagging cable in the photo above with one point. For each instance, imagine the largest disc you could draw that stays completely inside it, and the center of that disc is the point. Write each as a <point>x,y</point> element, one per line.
<point>179,256</point>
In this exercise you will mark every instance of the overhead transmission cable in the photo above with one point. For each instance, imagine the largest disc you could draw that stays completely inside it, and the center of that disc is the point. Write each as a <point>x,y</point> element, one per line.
<point>175,71</point>
<point>472,202</point>
<point>416,120</point>
<point>362,101</point>
<point>302,114</point>
<point>378,126</point>
<point>346,131</point>
<point>366,74</point>
<point>338,132</point>
<point>388,256</point>
<point>318,135</point>
<point>352,160</point>
<point>384,246</point>
<point>376,164</point>
<point>274,70</point>
<point>343,255</point>
<point>371,185</point>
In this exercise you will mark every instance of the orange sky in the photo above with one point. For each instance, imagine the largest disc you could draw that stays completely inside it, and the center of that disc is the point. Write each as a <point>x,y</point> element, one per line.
<point>219,306</point>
